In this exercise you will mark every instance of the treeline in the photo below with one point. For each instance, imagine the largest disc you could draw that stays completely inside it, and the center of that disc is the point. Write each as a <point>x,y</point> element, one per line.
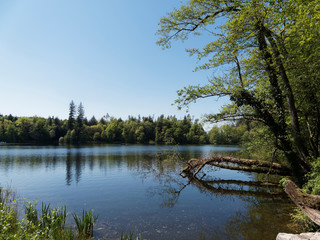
<point>143,130</point>
<point>78,129</point>
<point>163,130</point>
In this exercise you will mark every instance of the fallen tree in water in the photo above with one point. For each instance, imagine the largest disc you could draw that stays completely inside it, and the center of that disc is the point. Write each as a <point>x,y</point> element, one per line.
<point>194,166</point>
<point>309,204</point>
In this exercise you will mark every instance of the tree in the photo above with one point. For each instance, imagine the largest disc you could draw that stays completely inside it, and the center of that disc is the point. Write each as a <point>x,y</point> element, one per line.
<point>128,131</point>
<point>79,123</point>
<point>80,116</point>
<point>268,50</point>
<point>92,121</point>
<point>39,131</point>
<point>2,129</point>
<point>11,134</point>
<point>140,133</point>
<point>24,128</point>
<point>72,112</point>
<point>228,134</point>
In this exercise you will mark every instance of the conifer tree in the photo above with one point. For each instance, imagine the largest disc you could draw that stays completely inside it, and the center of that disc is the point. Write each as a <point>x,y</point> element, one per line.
<point>72,111</point>
<point>80,116</point>
<point>79,124</point>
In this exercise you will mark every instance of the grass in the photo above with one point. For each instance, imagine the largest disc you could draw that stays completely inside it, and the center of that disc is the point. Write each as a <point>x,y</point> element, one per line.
<point>130,236</point>
<point>85,224</point>
<point>49,224</point>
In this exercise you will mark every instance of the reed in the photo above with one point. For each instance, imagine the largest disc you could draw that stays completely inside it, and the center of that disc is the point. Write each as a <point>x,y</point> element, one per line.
<point>49,224</point>
<point>53,220</point>
<point>130,236</point>
<point>85,223</point>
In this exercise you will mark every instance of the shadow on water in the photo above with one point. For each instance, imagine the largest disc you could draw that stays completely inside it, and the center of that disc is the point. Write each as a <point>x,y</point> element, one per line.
<point>266,207</point>
<point>138,188</point>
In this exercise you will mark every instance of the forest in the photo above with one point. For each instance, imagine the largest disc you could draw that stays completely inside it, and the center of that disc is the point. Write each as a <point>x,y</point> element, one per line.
<point>78,129</point>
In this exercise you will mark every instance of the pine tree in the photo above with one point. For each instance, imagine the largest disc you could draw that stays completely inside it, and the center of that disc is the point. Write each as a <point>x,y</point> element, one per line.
<point>72,111</point>
<point>80,116</point>
<point>79,124</point>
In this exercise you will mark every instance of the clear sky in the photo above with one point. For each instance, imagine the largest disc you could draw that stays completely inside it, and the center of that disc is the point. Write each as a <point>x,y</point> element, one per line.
<point>102,53</point>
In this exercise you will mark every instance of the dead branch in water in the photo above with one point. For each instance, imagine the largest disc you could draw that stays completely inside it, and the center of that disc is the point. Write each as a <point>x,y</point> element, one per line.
<point>194,166</point>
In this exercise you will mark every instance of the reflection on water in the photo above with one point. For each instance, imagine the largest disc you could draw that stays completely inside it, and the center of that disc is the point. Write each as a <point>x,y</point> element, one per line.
<point>139,189</point>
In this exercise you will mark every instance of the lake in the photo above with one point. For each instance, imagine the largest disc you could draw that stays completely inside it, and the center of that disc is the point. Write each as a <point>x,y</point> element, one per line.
<point>138,189</point>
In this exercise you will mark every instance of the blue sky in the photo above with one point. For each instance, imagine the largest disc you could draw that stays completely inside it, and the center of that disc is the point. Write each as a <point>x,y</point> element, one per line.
<point>102,53</point>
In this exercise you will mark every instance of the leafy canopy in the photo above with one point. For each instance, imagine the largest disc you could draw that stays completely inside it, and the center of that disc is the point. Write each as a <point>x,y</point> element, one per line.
<point>268,51</point>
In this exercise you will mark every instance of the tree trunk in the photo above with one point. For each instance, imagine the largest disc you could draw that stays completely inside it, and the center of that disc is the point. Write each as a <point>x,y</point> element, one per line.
<point>299,163</point>
<point>309,204</point>
<point>194,166</point>
<point>298,139</point>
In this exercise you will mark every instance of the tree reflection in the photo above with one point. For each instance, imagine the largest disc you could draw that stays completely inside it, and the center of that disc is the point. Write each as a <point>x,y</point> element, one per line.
<point>78,167</point>
<point>238,188</point>
<point>266,208</point>
<point>261,220</point>
<point>68,169</point>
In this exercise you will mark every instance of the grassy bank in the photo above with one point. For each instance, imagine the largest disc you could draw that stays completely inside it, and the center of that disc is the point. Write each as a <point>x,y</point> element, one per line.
<point>49,223</point>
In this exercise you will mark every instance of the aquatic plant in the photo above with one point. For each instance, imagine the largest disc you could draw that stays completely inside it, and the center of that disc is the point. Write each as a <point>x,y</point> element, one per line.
<point>53,220</point>
<point>130,236</point>
<point>50,224</point>
<point>85,223</point>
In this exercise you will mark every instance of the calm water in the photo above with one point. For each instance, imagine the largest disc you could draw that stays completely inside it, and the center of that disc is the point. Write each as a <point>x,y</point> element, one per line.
<point>138,189</point>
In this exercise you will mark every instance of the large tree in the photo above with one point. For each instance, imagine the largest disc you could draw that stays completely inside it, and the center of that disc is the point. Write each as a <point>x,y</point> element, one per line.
<point>80,116</point>
<point>269,52</point>
<point>72,112</point>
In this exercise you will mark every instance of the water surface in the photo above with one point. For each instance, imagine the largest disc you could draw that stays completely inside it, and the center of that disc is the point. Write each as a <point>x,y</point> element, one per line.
<point>138,189</point>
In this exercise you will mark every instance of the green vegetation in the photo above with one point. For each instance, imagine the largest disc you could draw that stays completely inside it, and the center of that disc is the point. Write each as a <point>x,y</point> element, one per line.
<point>269,54</point>
<point>77,129</point>
<point>229,134</point>
<point>130,236</point>
<point>303,222</point>
<point>142,130</point>
<point>313,184</point>
<point>145,130</point>
<point>85,223</point>
<point>50,224</point>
